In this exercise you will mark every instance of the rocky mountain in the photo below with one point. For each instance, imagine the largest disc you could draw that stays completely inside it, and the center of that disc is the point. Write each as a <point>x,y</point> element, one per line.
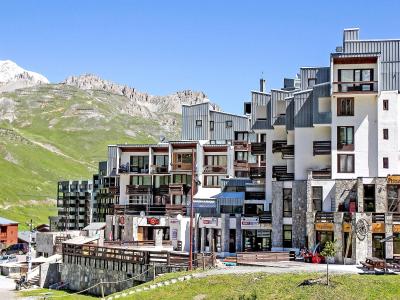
<point>51,132</point>
<point>14,77</point>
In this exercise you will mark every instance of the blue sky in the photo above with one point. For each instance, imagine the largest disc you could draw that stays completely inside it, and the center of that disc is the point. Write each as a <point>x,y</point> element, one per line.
<point>219,47</point>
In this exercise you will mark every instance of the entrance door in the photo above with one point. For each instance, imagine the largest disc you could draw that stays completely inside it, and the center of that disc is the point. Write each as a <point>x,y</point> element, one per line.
<point>232,241</point>
<point>378,248</point>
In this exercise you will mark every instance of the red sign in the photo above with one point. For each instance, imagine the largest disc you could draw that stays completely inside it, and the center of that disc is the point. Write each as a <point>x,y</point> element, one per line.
<point>153,221</point>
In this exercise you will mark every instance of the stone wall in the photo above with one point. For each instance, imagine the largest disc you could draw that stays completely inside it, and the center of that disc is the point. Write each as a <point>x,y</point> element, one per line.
<point>277,213</point>
<point>346,189</point>
<point>49,273</point>
<point>299,208</point>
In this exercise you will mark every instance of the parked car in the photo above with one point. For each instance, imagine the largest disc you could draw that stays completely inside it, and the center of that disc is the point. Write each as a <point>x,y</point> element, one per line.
<point>20,248</point>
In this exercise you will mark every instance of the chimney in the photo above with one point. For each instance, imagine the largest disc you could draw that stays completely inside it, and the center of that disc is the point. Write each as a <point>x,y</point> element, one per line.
<point>351,34</point>
<point>262,85</point>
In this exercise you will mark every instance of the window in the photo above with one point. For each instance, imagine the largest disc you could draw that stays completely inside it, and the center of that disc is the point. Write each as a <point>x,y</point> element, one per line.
<point>185,158</point>
<point>393,198</point>
<point>240,136</point>
<point>160,160</point>
<point>358,76</point>
<point>385,104</point>
<point>386,162</point>
<point>287,202</point>
<point>231,209</point>
<point>182,178</point>
<point>369,198</point>
<point>253,209</point>
<point>211,125</point>
<point>345,106</point>
<point>345,163</point>
<point>139,164</point>
<point>161,180</point>
<point>216,160</point>
<point>212,181</point>
<point>241,155</point>
<point>385,134</point>
<point>140,180</point>
<point>228,124</point>
<point>345,136</point>
<point>287,236</point>
<point>198,123</point>
<point>317,198</point>
<point>263,138</point>
<point>311,82</point>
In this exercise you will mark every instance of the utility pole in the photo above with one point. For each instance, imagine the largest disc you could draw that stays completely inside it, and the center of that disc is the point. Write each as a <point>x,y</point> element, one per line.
<point>191,217</point>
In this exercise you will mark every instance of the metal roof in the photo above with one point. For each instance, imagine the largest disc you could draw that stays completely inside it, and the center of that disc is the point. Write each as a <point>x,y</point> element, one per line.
<point>80,240</point>
<point>260,124</point>
<point>4,221</point>
<point>95,226</point>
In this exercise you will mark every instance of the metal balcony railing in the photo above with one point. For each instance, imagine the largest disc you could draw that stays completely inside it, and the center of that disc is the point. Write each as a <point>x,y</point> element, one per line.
<point>322,148</point>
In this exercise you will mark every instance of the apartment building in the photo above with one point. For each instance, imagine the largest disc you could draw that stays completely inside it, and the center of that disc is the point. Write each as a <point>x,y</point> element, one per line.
<point>315,160</point>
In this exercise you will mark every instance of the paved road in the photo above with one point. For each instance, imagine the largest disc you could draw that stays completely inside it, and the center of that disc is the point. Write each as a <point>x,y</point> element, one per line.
<point>284,267</point>
<point>7,288</point>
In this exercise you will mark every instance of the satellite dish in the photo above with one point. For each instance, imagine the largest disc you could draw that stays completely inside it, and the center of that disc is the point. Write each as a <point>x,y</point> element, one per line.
<point>142,214</point>
<point>162,139</point>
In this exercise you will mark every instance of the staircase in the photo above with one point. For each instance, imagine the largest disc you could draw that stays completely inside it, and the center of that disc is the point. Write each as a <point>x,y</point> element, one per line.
<point>34,280</point>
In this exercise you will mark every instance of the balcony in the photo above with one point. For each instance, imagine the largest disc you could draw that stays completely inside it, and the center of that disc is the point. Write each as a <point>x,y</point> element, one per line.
<point>132,169</point>
<point>356,87</point>
<point>277,145</point>
<point>138,189</point>
<point>241,145</point>
<point>178,189</point>
<point>162,190</point>
<point>155,169</point>
<point>396,218</point>
<point>257,172</point>
<point>181,166</point>
<point>280,120</point>
<point>287,151</point>
<point>175,209</point>
<point>241,164</point>
<point>378,218</point>
<point>265,217</point>
<point>280,173</point>
<point>321,174</point>
<point>254,195</point>
<point>322,148</point>
<point>114,190</point>
<point>215,169</point>
<point>129,209</point>
<point>324,217</point>
<point>258,148</point>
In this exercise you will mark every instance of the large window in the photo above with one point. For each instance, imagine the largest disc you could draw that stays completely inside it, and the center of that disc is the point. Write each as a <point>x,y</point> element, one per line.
<point>345,163</point>
<point>212,181</point>
<point>185,158</point>
<point>345,106</point>
<point>287,236</point>
<point>241,136</point>
<point>160,160</point>
<point>287,202</point>
<point>241,155</point>
<point>393,198</point>
<point>353,80</point>
<point>385,134</point>
<point>215,160</point>
<point>231,209</point>
<point>317,198</point>
<point>369,198</point>
<point>139,164</point>
<point>161,180</point>
<point>253,209</point>
<point>345,135</point>
<point>182,178</point>
<point>140,180</point>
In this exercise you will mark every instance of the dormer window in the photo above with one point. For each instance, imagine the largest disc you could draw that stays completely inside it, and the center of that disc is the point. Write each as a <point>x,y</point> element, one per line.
<point>198,123</point>
<point>228,124</point>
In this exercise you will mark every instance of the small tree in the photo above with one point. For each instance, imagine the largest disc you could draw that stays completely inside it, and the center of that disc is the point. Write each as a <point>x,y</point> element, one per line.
<point>329,251</point>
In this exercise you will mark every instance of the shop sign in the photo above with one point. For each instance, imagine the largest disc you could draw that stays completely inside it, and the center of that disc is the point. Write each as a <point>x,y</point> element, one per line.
<point>153,221</point>
<point>396,228</point>
<point>346,227</point>
<point>324,226</point>
<point>250,222</point>
<point>378,227</point>
<point>393,179</point>
<point>209,221</point>
<point>263,233</point>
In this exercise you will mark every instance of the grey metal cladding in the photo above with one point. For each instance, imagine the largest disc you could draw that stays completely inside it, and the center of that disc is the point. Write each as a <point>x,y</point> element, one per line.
<point>276,96</point>
<point>321,90</point>
<point>221,131</point>
<point>351,34</point>
<point>189,116</point>
<point>321,75</point>
<point>260,100</point>
<point>303,109</point>
<point>389,59</point>
<point>289,113</point>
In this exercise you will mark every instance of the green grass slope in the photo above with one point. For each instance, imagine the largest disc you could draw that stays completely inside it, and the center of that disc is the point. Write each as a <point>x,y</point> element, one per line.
<point>57,132</point>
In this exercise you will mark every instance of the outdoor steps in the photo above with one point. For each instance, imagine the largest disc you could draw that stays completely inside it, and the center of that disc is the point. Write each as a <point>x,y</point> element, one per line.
<point>132,291</point>
<point>34,280</point>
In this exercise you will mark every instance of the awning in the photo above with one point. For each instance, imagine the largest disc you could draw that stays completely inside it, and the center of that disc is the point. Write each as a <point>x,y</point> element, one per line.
<point>230,198</point>
<point>206,193</point>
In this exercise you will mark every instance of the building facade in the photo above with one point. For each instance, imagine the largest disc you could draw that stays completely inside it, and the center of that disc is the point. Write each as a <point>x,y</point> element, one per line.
<point>315,160</point>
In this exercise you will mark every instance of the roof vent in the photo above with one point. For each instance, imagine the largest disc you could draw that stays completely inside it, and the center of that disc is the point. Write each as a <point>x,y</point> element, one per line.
<point>339,49</point>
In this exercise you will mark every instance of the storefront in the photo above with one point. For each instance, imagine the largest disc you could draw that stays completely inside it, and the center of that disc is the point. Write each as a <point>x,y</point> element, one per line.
<point>323,234</point>
<point>256,235</point>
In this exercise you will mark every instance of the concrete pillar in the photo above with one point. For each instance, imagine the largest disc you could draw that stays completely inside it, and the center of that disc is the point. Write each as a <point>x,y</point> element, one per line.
<point>224,233</point>
<point>128,228</point>
<point>310,227</point>
<point>202,239</point>
<point>158,236</point>
<point>239,233</point>
<point>338,236</point>
<point>389,232</point>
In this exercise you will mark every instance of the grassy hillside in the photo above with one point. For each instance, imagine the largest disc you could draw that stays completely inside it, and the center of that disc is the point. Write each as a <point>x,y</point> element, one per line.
<point>58,132</point>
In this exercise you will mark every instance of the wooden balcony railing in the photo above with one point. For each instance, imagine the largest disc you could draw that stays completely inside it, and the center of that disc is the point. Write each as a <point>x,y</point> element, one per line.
<point>241,145</point>
<point>258,148</point>
<point>114,190</point>
<point>277,145</point>
<point>241,164</point>
<point>257,172</point>
<point>155,169</point>
<point>181,166</point>
<point>322,148</point>
<point>378,218</point>
<point>176,188</point>
<point>215,169</point>
<point>287,151</point>
<point>175,209</point>
<point>161,190</point>
<point>321,174</point>
<point>355,87</point>
<point>280,173</point>
<point>138,189</point>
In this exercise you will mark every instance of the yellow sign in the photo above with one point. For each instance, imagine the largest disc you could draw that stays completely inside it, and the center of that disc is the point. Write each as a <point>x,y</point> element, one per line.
<point>393,179</point>
<point>396,228</point>
<point>324,226</point>
<point>346,227</point>
<point>378,227</point>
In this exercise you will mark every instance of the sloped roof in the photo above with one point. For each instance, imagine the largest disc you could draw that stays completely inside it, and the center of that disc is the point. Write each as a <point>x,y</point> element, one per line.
<point>4,221</point>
